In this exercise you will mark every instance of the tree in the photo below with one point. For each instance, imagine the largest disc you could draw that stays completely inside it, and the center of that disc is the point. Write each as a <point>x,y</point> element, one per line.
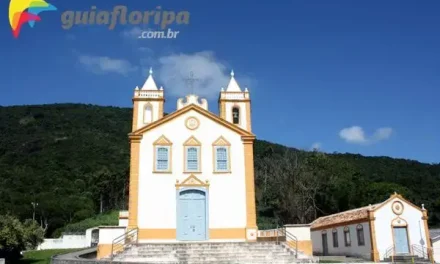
<point>16,236</point>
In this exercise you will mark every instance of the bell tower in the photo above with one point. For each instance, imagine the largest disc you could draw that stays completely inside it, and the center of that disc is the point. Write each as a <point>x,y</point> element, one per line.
<point>147,103</point>
<point>235,105</point>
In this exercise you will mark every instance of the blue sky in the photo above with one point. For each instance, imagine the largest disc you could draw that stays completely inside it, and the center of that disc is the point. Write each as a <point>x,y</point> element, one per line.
<point>347,76</point>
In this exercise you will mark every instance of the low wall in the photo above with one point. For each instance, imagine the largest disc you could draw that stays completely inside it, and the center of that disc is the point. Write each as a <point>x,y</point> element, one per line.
<point>66,241</point>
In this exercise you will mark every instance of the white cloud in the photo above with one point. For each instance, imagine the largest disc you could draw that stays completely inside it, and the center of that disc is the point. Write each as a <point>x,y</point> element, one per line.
<point>210,74</point>
<point>383,133</point>
<point>133,32</point>
<point>316,146</point>
<point>356,135</point>
<point>100,65</point>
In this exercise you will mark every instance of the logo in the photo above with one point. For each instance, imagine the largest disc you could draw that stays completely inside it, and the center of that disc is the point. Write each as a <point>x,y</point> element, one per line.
<point>26,11</point>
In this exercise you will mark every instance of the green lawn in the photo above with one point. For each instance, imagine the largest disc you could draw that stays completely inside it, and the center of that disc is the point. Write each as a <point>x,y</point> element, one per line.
<point>42,256</point>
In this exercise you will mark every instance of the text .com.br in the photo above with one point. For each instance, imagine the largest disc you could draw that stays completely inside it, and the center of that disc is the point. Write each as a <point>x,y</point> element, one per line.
<point>159,34</point>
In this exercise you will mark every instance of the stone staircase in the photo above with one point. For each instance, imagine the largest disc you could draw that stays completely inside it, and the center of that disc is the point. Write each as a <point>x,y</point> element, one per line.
<point>407,259</point>
<point>212,253</point>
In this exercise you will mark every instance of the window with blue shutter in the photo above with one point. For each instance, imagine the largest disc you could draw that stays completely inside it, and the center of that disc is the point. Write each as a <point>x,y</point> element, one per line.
<point>162,158</point>
<point>221,159</point>
<point>192,159</point>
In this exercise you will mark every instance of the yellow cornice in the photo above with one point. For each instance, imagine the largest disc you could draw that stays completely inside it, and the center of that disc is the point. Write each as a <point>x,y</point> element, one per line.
<point>192,141</point>
<point>192,181</point>
<point>221,141</point>
<point>201,111</point>
<point>163,141</point>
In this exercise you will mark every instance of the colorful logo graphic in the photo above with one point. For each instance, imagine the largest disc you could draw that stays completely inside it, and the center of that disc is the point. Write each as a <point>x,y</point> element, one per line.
<point>26,11</point>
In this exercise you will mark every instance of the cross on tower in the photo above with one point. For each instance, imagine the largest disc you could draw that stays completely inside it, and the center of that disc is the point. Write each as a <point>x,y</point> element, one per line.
<point>190,81</point>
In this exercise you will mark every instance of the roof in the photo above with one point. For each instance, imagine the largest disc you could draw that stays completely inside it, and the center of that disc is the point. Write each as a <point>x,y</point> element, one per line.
<point>150,84</point>
<point>353,215</point>
<point>206,113</point>
<point>434,234</point>
<point>233,85</point>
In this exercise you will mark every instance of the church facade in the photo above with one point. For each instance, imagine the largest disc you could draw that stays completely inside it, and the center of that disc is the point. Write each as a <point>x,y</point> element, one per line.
<point>394,228</point>
<point>192,171</point>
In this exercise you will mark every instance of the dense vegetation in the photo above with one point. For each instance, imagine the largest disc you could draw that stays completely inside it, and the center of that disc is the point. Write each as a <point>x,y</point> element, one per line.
<point>16,236</point>
<point>72,162</point>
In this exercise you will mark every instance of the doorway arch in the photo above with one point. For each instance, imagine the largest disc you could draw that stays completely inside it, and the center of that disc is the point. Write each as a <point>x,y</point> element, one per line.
<point>192,214</point>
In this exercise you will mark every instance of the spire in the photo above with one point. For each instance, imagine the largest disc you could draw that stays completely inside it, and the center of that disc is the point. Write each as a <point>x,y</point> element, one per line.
<point>149,83</point>
<point>233,85</point>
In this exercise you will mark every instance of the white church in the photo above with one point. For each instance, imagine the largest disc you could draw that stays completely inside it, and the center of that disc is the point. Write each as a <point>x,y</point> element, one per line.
<point>191,171</point>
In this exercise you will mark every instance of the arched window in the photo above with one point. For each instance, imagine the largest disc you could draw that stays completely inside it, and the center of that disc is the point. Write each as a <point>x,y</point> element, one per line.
<point>360,235</point>
<point>236,115</point>
<point>148,114</point>
<point>347,239</point>
<point>335,238</point>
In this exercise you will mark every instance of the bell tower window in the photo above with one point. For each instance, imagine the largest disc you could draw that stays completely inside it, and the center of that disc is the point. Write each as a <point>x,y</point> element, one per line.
<point>236,115</point>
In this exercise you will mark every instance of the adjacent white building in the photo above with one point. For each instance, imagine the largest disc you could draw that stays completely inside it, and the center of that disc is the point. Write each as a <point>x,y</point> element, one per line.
<point>376,232</point>
<point>191,171</point>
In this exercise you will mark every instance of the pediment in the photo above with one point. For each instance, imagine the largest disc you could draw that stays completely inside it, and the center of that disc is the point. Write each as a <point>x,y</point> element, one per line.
<point>192,181</point>
<point>162,140</point>
<point>192,141</point>
<point>221,141</point>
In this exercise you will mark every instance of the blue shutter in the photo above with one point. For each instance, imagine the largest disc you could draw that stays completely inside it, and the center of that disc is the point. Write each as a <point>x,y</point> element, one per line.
<point>162,158</point>
<point>192,159</point>
<point>221,159</point>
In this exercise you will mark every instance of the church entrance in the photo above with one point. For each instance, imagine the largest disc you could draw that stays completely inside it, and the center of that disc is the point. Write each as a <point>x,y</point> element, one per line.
<point>192,215</point>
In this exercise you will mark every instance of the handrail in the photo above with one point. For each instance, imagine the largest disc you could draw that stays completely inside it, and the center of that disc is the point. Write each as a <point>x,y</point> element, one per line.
<point>389,253</point>
<point>123,241</point>
<point>420,251</point>
<point>288,236</point>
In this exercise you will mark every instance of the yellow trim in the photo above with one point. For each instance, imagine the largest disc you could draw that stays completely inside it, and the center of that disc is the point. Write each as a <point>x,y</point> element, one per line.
<point>201,111</point>
<point>214,233</point>
<point>157,233</point>
<point>222,110</point>
<point>251,218</point>
<point>160,109</point>
<point>135,142</point>
<point>345,223</point>
<point>140,99</point>
<point>221,142</point>
<point>148,104</point>
<point>374,252</point>
<point>103,251</point>
<point>227,233</point>
<point>248,117</point>
<point>427,235</point>
<point>392,197</point>
<point>163,141</point>
<point>192,181</point>
<point>192,142</point>
<point>192,117</point>
<point>135,116</point>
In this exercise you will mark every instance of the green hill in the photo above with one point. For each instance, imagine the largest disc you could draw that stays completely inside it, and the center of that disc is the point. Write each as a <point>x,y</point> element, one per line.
<point>73,160</point>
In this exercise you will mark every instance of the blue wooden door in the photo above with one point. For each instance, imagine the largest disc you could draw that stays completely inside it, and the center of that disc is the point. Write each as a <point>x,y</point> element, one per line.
<point>191,215</point>
<point>401,240</point>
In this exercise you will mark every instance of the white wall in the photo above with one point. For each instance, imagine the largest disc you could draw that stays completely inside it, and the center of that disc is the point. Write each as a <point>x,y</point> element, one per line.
<point>67,241</point>
<point>384,233</point>
<point>353,250</point>
<point>301,232</point>
<point>436,249</point>
<point>157,192</point>
<point>109,233</point>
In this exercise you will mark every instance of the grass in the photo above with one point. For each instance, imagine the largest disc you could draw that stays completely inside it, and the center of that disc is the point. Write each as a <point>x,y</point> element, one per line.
<point>42,256</point>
